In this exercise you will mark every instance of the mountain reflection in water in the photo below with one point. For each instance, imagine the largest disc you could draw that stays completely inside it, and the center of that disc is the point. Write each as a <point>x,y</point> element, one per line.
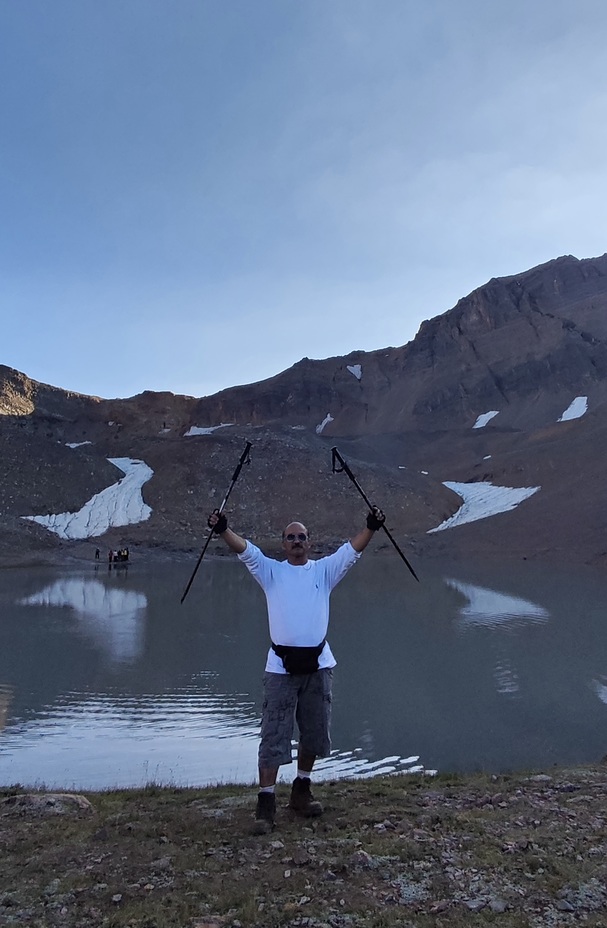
<point>105,680</point>
<point>488,607</point>
<point>111,616</point>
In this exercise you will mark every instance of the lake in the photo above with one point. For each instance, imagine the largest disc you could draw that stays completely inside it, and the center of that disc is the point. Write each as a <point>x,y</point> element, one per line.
<point>106,680</point>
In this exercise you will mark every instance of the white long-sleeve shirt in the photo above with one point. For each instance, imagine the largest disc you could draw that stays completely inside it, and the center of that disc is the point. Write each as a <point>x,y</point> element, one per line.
<point>298,598</point>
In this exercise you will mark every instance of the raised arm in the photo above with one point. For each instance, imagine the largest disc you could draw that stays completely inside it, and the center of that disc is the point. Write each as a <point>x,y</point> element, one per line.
<point>219,524</point>
<point>375,520</point>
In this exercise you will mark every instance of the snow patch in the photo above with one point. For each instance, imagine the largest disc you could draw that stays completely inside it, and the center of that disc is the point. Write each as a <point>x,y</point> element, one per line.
<point>328,418</point>
<point>77,444</point>
<point>195,430</point>
<point>576,409</point>
<point>355,369</point>
<point>483,419</point>
<point>481,500</point>
<point>119,504</point>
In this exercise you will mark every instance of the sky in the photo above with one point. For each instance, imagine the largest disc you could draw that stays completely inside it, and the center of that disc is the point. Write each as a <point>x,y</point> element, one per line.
<point>198,194</point>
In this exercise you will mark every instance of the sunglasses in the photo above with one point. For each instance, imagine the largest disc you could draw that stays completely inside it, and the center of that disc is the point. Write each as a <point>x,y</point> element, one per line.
<point>299,537</point>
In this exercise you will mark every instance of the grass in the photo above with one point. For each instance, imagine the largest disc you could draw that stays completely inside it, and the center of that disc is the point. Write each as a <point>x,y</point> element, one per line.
<point>390,851</point>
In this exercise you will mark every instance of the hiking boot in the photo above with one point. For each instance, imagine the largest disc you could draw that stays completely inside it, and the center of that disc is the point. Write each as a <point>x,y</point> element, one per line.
<point>302,800</point>
<point>264,813</point>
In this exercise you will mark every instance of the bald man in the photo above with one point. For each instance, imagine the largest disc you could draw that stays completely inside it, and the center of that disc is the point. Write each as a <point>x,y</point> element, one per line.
<point>299,668</point>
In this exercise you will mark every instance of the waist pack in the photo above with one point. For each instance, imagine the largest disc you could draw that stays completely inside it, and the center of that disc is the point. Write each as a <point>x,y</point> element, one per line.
<point>299,660</point>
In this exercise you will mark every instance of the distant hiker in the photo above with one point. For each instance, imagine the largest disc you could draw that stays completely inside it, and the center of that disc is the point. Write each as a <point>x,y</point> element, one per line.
<point>110,556</point>
<point>298,673</point>
<point>97,554</point>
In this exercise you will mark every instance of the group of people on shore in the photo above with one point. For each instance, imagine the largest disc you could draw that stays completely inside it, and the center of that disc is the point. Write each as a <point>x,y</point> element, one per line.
<point>119,556</point>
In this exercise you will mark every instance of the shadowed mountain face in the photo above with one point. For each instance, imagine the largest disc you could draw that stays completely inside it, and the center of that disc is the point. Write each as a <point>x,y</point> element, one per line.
<point>521,348</point>
<point>521,345</point>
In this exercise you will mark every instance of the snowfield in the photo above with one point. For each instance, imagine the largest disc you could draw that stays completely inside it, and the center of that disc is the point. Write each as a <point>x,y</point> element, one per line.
<point>481,500</point>
<point>119,504</point>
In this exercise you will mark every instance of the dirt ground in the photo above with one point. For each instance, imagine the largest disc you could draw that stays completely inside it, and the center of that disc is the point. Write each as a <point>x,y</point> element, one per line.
<point>411,851</point>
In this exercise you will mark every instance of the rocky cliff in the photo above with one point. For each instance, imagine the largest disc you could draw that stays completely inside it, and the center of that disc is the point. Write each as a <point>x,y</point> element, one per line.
<point>521,348</point>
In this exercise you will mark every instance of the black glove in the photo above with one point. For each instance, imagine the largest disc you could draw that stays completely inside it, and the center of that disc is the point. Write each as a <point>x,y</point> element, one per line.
<point>375,519</point>
<point>221,524</point>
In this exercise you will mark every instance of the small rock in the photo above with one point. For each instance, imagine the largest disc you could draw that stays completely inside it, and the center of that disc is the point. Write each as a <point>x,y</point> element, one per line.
<point>117,897</point>
<point>301,857</point>
<point>52,888</point>
<point>361,859</point>
<point>498,905</point>
<point>564,906</point>
<point>162,863</point>
<point>475,905</point>
<point>38,804</point>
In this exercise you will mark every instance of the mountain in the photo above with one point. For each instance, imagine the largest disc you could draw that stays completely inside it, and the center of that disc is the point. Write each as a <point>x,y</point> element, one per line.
<point>517,351</point>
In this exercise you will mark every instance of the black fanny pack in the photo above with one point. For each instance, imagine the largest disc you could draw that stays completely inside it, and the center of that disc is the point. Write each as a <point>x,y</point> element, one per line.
<point>299,660</point>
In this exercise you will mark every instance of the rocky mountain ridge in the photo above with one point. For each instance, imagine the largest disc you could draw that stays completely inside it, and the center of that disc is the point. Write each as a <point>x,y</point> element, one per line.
<point>522,347</point>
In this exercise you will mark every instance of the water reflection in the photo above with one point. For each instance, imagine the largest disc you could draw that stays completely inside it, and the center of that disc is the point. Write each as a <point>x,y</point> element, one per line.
<point>599,687</point>
<point>111,617</point>
<point>506,677</point>
<point>491,608</point>
<point>487,608</point>
<point>6,693</point>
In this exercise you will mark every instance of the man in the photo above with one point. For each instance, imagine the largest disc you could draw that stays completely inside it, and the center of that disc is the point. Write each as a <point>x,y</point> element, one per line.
<point>298,674</point>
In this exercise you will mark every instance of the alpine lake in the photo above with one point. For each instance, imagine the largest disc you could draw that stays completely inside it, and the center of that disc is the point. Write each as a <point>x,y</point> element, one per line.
<point>107,681</point>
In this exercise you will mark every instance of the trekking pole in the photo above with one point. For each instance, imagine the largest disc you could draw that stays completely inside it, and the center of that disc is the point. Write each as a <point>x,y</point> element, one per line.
<point>245,458</point>
<point>343,468</point>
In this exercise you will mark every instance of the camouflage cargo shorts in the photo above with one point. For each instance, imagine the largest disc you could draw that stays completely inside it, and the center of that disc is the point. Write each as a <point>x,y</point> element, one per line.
<point>290,698</point>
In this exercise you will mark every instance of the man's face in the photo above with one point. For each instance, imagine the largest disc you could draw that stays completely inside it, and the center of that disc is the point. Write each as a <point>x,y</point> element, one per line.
<point>296,542</point>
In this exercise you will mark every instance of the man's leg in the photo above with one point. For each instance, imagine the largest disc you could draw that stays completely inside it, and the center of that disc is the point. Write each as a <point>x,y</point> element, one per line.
<point>275,746</point>
<point>267,777</point>
<point>313,718</point>
<point>305,762</point>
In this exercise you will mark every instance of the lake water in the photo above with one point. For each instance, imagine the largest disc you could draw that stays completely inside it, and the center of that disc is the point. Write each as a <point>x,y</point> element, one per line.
<point>106,680</point>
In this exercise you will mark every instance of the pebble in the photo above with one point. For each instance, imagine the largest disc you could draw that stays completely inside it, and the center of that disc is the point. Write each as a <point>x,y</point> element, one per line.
<point>475,905</point>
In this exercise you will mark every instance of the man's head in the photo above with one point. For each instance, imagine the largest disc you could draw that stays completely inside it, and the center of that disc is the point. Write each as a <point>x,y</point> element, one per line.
<point>296,542</point>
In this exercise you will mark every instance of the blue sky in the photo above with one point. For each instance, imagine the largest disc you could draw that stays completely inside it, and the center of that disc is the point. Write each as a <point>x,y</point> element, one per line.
<point>198,193</point>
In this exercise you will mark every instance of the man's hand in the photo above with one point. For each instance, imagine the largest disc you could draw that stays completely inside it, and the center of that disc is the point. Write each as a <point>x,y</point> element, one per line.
<point>375,519</point>
<point>217,522</point>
